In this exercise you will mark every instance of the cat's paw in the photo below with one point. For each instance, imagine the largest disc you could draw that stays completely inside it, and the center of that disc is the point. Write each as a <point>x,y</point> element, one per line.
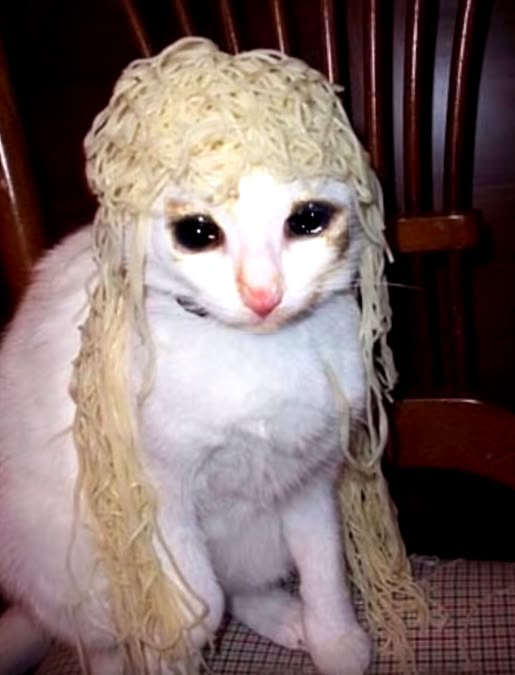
<point>274,614</point>
<point>344,653</point>
<point>288,631</point>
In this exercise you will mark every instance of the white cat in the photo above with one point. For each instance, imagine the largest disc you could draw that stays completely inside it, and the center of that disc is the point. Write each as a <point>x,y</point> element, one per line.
<point>249,305</point>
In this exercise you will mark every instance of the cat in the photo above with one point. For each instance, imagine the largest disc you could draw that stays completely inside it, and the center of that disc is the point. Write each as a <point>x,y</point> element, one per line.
<point>250,304</point>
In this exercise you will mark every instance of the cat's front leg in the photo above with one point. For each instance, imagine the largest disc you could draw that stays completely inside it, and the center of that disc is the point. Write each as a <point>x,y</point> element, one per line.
<point>184,554</point>
<point>334,639</point>
<point>182,547</point>
<point>191,559</point>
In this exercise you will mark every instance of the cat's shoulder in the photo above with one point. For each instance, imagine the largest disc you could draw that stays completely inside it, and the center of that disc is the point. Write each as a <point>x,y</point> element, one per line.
<point>55,297</point>
<point>65,265</point>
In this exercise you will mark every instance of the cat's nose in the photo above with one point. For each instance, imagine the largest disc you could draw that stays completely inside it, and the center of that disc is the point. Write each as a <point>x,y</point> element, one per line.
<point>262,300</point>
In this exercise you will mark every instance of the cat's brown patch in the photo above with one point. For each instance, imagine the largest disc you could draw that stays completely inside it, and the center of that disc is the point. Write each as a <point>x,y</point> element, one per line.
<point>337,234</point>
<point>174,208</point>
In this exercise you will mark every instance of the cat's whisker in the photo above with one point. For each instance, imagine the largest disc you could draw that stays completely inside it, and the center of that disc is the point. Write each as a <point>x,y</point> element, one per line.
<point>393,284</point>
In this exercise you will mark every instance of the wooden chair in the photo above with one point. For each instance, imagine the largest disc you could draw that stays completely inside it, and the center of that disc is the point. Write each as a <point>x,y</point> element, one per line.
<point>384,53</point>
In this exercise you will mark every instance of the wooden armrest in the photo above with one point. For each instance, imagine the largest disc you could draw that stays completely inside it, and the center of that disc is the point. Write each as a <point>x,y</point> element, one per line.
<point>455,434</point>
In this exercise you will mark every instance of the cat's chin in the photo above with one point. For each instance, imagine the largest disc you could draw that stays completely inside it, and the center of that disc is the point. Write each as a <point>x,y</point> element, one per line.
<point>264,327</point>
<point>272,323</point>
<point>261,326</point>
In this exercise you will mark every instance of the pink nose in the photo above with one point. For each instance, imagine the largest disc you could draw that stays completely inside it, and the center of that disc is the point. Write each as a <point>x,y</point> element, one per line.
<point>262,300</point>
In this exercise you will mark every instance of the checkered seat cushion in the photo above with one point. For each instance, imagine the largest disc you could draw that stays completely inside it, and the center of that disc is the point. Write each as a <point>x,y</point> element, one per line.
<point>478,635</point>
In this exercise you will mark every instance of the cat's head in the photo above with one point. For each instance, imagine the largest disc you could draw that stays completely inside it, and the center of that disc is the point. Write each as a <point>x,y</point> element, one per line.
<point>268,254</point>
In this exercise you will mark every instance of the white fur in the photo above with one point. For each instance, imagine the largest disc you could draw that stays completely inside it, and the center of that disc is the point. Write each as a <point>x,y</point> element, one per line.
<point>240,432</point>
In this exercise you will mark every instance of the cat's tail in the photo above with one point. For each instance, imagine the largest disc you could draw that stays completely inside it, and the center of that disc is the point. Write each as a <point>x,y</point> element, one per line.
<point>23,643</point>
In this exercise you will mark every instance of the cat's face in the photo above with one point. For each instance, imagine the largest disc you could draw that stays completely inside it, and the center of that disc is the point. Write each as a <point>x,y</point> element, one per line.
<point>260,259</point>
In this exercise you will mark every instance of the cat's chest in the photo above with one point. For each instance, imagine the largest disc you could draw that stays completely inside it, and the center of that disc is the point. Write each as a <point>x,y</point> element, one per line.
<point>250,416</point>
<point>212,386</point>
<point>261,462</point>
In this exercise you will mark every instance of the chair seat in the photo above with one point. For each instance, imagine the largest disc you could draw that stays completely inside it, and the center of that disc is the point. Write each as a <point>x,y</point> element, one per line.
<point>478,635</point>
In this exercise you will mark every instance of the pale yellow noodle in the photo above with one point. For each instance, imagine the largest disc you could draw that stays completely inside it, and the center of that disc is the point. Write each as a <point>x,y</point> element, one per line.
<point>200,118</point>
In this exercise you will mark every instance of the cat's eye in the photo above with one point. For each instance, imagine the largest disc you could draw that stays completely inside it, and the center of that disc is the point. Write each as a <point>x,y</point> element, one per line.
<point>309,219</point>
<point>197,232</point>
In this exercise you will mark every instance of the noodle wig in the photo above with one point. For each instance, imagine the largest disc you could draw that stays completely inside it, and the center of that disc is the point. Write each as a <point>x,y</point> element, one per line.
<point>198,117</point>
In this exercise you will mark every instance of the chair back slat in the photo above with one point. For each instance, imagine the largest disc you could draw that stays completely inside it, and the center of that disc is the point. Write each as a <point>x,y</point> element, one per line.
<point>280,23</point>
<point>378,93</point>
<point>232,39</point>
<point>20,215</point>
<point>183,17</point>
<point>329,40</point>
<point>460,107</point>
<point>374,83</point>
<point>417,127</point>
<point>137,28</point>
